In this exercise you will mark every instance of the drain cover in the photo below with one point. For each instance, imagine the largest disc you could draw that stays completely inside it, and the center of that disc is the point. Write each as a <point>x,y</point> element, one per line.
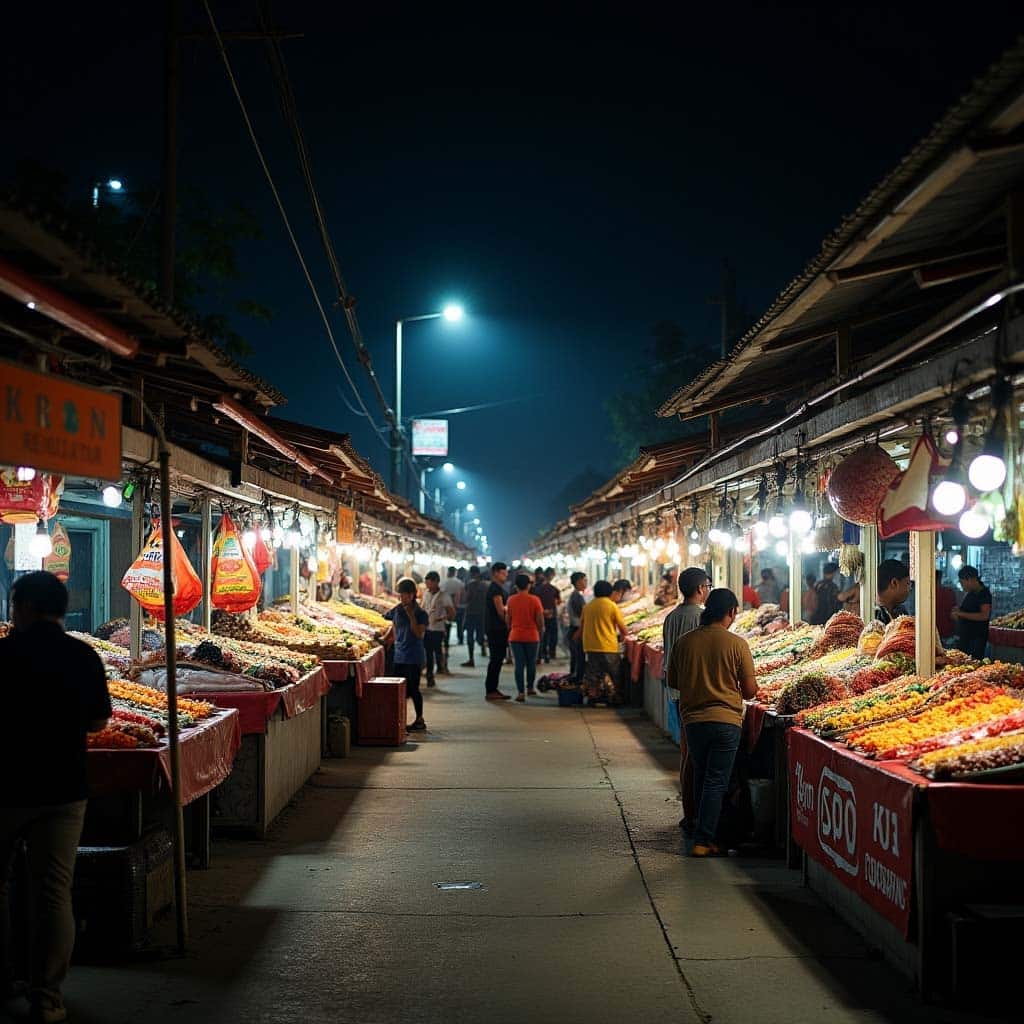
<point>448,886</point>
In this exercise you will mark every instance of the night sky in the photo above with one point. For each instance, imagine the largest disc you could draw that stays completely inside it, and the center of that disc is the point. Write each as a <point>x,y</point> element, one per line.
<point>571,178</point>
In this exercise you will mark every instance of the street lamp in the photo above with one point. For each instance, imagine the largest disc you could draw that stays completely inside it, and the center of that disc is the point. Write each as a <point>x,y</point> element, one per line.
<point>452,313</point>
<point>112,184</point>
<point>448,467</point>
<point>461,485</point>
<point>471,507</point>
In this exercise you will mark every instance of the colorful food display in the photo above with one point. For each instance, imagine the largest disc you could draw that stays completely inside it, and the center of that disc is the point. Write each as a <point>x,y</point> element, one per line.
<point>294,633</point>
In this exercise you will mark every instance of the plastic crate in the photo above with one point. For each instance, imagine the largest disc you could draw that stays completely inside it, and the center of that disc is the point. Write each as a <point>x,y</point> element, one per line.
<point>382,713</point>
<point>570,697</point>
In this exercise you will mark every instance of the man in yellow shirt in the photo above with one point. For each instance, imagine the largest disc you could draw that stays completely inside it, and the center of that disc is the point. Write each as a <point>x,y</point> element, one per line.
<point>601,627</point>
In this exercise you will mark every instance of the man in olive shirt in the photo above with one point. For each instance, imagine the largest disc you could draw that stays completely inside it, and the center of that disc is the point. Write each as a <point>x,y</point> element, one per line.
<point>54,691</point>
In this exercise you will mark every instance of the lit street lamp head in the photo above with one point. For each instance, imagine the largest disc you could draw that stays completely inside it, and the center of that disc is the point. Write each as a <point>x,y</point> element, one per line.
<point>448,467</point>
<point>115,184</point>
<point>461,485</point>
<point>452,312</point>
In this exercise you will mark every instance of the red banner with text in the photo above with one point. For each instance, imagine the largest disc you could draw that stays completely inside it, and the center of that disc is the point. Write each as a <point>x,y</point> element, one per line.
<point>856,819</point>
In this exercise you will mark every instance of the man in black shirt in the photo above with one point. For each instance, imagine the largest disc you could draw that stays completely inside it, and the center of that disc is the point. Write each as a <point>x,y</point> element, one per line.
<point>497,630</point>
<point>893,589</point>
<point>54,691</point>
<point>973,614</point>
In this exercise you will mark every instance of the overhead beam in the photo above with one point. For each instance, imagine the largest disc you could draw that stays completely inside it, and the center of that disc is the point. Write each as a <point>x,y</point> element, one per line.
<point>910,261</point>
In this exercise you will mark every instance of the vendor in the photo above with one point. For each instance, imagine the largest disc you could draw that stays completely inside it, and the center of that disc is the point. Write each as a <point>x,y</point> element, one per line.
<point>620,588</point>
<point>893,589</point>
<point>666,592</point>
<point>973,614</point>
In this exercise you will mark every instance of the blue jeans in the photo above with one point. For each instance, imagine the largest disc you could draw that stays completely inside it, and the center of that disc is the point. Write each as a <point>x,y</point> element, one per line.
<point>711,747</point>
<point>525,656</point>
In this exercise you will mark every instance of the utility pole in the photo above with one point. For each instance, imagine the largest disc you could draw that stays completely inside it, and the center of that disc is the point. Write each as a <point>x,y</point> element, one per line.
<point>727,300</point>
<point>169,189</point>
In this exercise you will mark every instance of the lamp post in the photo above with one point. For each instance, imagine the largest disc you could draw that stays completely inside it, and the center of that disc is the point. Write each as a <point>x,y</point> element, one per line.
<point>452,313</point>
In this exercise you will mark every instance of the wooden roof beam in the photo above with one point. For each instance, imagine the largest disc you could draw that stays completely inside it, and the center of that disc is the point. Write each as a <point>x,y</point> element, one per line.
<point>911,261</point>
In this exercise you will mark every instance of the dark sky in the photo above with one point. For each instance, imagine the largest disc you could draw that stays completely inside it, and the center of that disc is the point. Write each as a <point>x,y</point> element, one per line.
<point>571,177</point>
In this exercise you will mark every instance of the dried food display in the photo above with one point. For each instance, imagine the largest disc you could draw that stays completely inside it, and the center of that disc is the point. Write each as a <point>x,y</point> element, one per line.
<point>989,754</point>
<point>842,630</point>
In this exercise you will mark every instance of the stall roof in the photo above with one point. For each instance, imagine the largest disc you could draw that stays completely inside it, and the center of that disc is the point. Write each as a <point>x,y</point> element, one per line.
<point>929,237</point>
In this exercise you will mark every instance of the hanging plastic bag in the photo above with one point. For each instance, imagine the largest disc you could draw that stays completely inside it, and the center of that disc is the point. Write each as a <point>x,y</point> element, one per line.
<point>261,557</point>
<point>59,560</point>
<point>905,505</point>
<point>144,579</point>
<point>235,585</point>
<point>27,501</point>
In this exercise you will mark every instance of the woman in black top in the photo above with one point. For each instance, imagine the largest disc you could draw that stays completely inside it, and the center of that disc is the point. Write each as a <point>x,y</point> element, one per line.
<point>973,614</point>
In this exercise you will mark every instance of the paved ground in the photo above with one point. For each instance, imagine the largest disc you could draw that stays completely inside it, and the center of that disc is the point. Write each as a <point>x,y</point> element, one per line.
<point>587,912</point>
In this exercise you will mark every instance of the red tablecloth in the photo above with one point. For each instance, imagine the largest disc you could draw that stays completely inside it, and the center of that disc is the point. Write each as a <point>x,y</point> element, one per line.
<point>1005,637</point>
<point>634,651</point>
<point>654,660</point>
<point>257,708</point>
<point>207,754</point>
<point>364,670</point>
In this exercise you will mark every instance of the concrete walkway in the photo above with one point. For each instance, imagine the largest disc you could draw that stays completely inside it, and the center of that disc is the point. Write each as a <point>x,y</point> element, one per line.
<point>567,819</point>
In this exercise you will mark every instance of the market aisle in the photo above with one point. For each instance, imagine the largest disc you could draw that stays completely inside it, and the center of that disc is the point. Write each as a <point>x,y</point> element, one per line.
<point>337,917</point>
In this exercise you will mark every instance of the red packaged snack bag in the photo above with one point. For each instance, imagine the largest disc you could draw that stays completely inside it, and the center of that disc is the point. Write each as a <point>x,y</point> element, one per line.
<point>144,579</point>
<point>235,585</point>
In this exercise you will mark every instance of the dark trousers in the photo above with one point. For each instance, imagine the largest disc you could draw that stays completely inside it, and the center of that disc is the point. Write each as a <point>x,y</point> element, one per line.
<point>474,631</point>
<point>433,641</point>
<point>498,641</point>
<point>549,641</point>
<point>460,624</point>
<point>525,657</point>
<point>712,750</point>
<point>577,661</point>
<point>411,675</point>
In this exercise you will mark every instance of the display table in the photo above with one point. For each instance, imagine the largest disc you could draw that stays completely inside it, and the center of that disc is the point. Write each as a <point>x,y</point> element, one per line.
<point>899,856</point>
<point>1007,644</point>
<point>634,655</point>
<point>280,749</point>
<point>362,671</point>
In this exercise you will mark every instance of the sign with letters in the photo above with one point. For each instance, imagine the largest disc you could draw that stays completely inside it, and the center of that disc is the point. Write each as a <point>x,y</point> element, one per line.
<point>856,819</point>
<point>346,525</point>
<point>53,424</point>
<point>430,437</point>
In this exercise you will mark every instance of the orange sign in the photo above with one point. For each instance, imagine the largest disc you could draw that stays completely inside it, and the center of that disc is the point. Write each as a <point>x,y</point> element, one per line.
<point>346,525</point>
<point>50,423</point>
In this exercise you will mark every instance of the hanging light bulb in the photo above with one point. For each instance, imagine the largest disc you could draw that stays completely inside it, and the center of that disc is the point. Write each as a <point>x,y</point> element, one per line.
<point>25,474</point>
<point>40,546</point>
<point>777,526</point>
<point>111,496</point>
<point>740,544</point>
<point>694,549</point>
<point>974,524</point>
<point>949,495</point>
<point>249,537</point>
<point>800,521</point>
<point>695,534</point>
<point>293,536</point>
<point>760,543</point>
<point>714,535</point>
<point>265,535</point>
<point>952,436</point>
<point>781,548</point>
<point>760,529</point>
<point>987,471</point>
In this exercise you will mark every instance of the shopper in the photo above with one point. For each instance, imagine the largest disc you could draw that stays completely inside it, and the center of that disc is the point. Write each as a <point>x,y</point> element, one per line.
<point>54,692</point>
<point>666,592</point>
<point>809,598</point>
<point>474,602</point>
<point>893,589</point>
<point>826,595</point>
<point>768,589</point>
<point>456,590</point>
<point>713,671</point>
<point>973,614</point>
<point>440,612</point>
<point>945,602</point>
<point>410,651</point>
<point>621,590</point>
<point>577,602</point>
<point>549,599</point>
<point>497,631</point>
<point>601,628</point>
<point>694,586</point>
<point>524,616</point>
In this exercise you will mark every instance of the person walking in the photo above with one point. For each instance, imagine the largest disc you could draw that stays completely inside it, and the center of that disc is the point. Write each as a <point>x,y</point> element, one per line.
<point>577,602</point>
<point>497,631</point>
<point>601,628</point>
<point>713,671</point>
<point>455,589</point>
<point>694,586</point>
<point>549,599</point>
<point>440,612</point>
<point>524,616</point>
<point>474,604</point>
<point>973,614</point>
<point>409,649</point>
<point>54,692</point>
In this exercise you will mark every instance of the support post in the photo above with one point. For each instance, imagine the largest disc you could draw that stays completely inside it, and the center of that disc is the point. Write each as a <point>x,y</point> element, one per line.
<point>735,574</point>
<point>922,545</point>
<point>206,552</point>
<point>396,433</point>
<point>869,574</point>
<point>796,571</point>
<point>135,609</point>
<point>293,554</point>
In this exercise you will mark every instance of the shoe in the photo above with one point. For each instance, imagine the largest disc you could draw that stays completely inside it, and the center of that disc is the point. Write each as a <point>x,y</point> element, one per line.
<point>705,851</point>
<point>531,693</point>
<point>502,696</point>
<point>420,727</point>
<point>43,1014</point>
<point>430,682</point>
<point>520,698</point>
<point>495,696</point>
<point>469,664</point>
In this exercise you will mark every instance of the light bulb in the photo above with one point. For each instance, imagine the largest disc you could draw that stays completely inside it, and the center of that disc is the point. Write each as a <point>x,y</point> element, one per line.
<point>777,526</point>
<point>265,535</point>
<point>760,528</point>
<point>25,474</point>
<point>807,544</point>
<point>740,544</point>
<point>40,546</point>
<point>111,496</point>
<point>987,473</point>
<point>957,561</point>
<point>952,435</point>
<point>694,548</point>
<point>800,521</point>
<point>695,534</point>
<point>973,524</point>
<point>714,535</point>
<point>249,539</point>
<point>949,498</point>
<point>781,548</point>
<point>760,543</point>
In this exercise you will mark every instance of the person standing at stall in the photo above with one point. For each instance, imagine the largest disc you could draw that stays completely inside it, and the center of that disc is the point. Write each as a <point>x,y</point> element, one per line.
<point>54,692</point>
<point>440,612</point>
<point>973,615</point>
<point>497,631</point>
<point>601,628</point>
<point>577,602</point>
<point>524,616</point>
<point>893,589</point>
<point>714,672</point>
<point>410,652</point>
<point>550,599</point>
